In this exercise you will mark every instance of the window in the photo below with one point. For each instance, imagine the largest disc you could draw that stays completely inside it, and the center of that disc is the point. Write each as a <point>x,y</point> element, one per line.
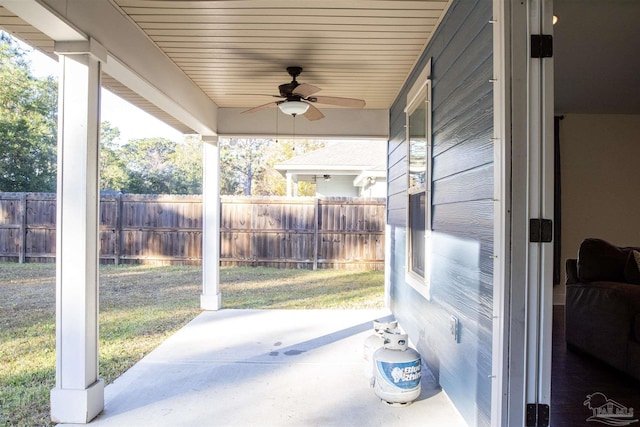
<point>418,117</point>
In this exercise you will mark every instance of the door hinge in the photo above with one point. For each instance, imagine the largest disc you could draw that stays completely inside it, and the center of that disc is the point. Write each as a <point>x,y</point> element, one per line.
<point>541,45</point>
<point>540,230</point>
<point>537,415</point>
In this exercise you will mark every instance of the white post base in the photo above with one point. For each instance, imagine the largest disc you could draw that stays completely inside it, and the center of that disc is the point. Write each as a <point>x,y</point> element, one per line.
<point>77,406</point>
<point>211,302</point>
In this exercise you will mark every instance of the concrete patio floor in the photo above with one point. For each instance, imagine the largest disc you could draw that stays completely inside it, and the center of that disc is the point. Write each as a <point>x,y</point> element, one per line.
<point>265,368</point>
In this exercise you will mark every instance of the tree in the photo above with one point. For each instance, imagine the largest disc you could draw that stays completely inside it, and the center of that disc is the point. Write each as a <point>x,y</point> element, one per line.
<point>28,123</point>
<point>149,165</point>
<point>272,183</point>
<point>247,165</point>
<point>187,162</point>
<point>242,164</point>
<point>113,170</point>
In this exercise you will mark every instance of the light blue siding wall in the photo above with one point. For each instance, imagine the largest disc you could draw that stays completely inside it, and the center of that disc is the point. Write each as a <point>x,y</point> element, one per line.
<point>462,266</point>
<point>338,186</point>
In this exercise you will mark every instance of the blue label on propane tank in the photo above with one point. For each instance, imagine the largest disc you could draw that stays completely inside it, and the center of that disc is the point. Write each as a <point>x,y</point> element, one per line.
<point>405,375</point>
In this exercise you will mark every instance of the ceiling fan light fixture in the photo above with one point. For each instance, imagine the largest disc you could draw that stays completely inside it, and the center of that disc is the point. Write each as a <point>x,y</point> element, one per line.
<point>293,108</point>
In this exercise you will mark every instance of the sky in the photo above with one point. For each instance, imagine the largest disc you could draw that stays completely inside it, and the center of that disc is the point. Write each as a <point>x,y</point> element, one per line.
<point>132,122</point>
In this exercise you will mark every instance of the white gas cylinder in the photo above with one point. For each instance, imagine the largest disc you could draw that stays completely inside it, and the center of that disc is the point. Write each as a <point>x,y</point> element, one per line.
<point>374,342</point>
<point>397,371</point>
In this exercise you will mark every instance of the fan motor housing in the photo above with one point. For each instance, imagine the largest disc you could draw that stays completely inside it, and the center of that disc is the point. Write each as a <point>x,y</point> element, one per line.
<point>286,89</point>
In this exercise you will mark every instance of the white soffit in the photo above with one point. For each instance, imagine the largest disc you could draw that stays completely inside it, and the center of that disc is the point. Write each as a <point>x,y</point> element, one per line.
<point>236,49</point>
<point>233,53</point>
<point>133,62</point>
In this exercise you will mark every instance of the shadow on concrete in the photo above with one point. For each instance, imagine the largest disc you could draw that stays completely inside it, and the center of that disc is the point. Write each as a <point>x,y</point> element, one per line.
<point>264,368</point>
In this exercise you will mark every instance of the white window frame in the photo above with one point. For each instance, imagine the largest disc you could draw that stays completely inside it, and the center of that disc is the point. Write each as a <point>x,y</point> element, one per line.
<point>420,93</point>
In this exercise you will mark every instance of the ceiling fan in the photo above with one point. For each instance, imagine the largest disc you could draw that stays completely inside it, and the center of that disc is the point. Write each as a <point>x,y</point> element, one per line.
<point>298,99</point>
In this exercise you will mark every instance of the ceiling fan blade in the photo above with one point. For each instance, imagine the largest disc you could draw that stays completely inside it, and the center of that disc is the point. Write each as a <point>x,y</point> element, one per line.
<point>341,102</point>
<point>313,114</point>
<point>260,107</point>
<point>304,90</point>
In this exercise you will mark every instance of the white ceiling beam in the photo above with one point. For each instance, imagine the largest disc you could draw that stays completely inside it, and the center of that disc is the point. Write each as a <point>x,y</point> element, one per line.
<point>42,17</point>
<point>180,110</point>
<point>337,124</point>
<point>133,59</point>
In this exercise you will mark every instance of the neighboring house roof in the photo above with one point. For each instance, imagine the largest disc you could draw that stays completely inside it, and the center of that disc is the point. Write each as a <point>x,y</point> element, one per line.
<point>345,157</point>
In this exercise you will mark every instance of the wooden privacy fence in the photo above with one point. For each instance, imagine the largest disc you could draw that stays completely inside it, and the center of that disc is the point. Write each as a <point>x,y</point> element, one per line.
<point>167,229</point>
<point>303,232</point>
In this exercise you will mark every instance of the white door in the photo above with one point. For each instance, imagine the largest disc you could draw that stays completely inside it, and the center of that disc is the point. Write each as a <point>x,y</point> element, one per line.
<point>522,332</point>
<point>539,303</point>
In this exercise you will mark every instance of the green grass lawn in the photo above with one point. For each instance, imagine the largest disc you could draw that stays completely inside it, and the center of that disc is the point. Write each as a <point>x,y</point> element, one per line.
<point>140,306</point>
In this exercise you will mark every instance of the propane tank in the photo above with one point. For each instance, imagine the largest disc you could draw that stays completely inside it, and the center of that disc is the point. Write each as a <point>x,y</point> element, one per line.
<point>374,342</point>
<point>397,371</point>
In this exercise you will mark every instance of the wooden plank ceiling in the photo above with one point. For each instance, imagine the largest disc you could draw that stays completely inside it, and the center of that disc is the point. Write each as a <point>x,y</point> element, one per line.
<point>237,51</point>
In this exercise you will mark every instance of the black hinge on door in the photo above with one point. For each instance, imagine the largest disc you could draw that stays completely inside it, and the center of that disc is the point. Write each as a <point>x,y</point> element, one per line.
<point>540,230</point>
<point>541,46</point>
<point>537,415</point>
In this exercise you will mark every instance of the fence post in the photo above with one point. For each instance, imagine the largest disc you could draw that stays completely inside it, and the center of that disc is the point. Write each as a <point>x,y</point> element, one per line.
<point>23,228</point>
<point>117,245</point>
<point>316,222</point>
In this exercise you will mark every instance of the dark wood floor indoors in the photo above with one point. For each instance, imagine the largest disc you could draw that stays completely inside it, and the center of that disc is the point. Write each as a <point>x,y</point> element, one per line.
<point>575,375</point>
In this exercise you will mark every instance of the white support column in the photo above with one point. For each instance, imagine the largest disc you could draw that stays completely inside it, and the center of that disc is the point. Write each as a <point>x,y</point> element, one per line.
<point>79,394</point>
<point>211,297</point>
<point>289,184</point>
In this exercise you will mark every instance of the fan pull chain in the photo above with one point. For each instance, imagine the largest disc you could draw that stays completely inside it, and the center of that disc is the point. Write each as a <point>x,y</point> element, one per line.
<point>277,125</point>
